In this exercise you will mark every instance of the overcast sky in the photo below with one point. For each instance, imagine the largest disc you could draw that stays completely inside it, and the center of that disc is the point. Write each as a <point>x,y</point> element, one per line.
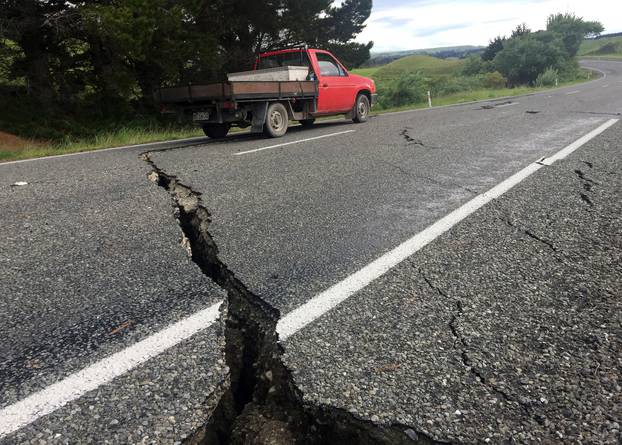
<point>415,24</point>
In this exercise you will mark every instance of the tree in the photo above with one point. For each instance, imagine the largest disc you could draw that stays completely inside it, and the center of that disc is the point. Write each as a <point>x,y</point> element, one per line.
<point>520,31</point>
<point>111,54</point>
<point>493,48</point>
<point>523,59</point>
<point>39,30</point>
<point>572,30</point>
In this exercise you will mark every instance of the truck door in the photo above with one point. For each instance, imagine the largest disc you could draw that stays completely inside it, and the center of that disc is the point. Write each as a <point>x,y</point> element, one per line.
<point>336,89</point>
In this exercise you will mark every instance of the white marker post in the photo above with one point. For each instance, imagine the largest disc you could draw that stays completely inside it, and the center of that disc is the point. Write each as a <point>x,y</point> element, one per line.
<point>429,100</point>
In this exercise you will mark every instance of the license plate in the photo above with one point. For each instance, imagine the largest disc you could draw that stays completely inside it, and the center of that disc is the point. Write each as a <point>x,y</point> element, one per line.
<point>200,116</point>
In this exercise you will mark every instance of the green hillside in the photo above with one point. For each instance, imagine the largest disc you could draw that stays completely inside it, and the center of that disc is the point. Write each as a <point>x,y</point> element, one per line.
<point>427,65</point>
<point>608,46</point>
<point>367,72</point>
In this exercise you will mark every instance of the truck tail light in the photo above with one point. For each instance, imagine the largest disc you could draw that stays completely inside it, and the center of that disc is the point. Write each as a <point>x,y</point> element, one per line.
<point>228,105</point>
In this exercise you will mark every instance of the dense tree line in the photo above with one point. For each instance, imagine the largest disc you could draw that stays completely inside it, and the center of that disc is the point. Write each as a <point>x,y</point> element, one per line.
<point>528,57</point>
<point>111,53</point>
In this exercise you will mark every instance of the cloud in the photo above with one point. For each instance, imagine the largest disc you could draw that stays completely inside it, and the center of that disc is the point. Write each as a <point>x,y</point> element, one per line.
<point>405,24</point>
<point>432,30</point>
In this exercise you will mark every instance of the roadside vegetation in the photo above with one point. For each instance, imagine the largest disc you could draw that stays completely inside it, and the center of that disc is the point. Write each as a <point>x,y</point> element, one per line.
<point>525,61</point>
<point>92,87</point>
<point>81,75</point>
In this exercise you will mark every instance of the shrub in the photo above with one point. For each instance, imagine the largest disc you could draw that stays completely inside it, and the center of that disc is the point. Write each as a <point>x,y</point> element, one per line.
<point>451,85</point>
<point>494,80</point>
<point>473,65</point>
<point>547,78</point>
<point>409,89</point>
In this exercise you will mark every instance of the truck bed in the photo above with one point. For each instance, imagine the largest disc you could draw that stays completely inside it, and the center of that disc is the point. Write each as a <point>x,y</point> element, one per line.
<point>238,91</point>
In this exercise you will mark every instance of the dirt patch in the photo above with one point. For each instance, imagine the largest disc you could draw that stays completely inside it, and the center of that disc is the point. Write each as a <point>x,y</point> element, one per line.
<point>11,142</point>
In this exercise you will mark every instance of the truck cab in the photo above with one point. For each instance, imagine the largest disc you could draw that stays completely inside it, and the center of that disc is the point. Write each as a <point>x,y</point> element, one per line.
<point>337,88</point>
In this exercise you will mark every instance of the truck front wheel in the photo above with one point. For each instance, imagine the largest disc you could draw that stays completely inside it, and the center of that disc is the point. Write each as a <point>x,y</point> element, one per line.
<point>216,131</point>
<point>361,108</point>
<point>276,120</point>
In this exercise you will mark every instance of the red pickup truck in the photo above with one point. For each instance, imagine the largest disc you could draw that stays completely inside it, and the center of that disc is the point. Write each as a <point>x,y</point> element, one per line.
<point>268,105</point>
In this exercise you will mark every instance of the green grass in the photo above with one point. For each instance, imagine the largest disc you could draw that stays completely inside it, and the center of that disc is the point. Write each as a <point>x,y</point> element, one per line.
<point>608,47</point>
<point>475,95</point>
<point>117,138</point>
<point>367,72</point>
<point>427,65</point>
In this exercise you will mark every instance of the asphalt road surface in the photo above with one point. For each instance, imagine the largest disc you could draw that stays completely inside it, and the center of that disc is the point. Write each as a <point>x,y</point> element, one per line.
<point>506,327</point>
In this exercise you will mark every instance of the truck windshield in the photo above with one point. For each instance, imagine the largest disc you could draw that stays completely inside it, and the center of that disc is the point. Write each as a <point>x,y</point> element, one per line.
<point>292,58</point>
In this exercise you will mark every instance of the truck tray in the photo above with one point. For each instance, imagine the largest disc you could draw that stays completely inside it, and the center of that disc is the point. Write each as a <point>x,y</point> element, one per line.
<point>236,91</point>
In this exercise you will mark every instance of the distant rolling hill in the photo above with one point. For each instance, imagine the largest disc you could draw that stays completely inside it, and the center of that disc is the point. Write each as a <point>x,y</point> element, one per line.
<point>602,47</point>
<point>383,58</point>
<point>427,65</point>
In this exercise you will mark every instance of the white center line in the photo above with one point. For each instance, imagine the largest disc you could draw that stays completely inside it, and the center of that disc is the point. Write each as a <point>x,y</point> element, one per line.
<point>573,92</point>
<point>322,303</point>
<point>507,105</point>
<point>41,403</point>
<point>606,86</point>
<point>292,142</point>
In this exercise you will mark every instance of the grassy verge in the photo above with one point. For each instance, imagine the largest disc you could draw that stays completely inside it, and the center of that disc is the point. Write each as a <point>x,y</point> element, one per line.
<point>474,95</point>
<point>117,138</point>
<point>138,135</point>
<point>367,72</point>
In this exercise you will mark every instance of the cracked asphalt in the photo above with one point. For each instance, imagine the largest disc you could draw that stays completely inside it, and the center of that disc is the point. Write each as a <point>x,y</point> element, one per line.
<point>506,328</point>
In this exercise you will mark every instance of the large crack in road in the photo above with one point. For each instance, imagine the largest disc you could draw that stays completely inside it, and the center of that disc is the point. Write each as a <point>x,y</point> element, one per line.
<point>260,402</point>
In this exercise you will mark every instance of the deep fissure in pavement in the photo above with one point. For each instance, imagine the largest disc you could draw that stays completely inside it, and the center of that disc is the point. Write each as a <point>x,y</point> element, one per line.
<point>260,403</point>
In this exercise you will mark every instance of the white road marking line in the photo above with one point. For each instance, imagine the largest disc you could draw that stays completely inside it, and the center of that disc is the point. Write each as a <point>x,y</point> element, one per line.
<point>573,92</point>
<point>578,143</point>
<point>507,105</point>
<point>41,403</point>
<point>322,303</point>
<point>291,143</point>
<point>606,86</point>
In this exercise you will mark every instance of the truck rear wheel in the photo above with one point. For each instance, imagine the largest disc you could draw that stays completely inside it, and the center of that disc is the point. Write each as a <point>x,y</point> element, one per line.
<point>216,131</point>
<point>361,109</point>
<point>276,120</point>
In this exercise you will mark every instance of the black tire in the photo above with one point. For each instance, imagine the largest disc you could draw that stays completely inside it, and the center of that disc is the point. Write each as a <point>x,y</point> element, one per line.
<point>361,109</point>
<point>216,131</point>
<point>277,120</point>
<point>307,122</point>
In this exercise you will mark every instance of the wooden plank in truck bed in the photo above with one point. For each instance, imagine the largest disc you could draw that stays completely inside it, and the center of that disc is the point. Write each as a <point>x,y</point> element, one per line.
<point>238,91</point>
